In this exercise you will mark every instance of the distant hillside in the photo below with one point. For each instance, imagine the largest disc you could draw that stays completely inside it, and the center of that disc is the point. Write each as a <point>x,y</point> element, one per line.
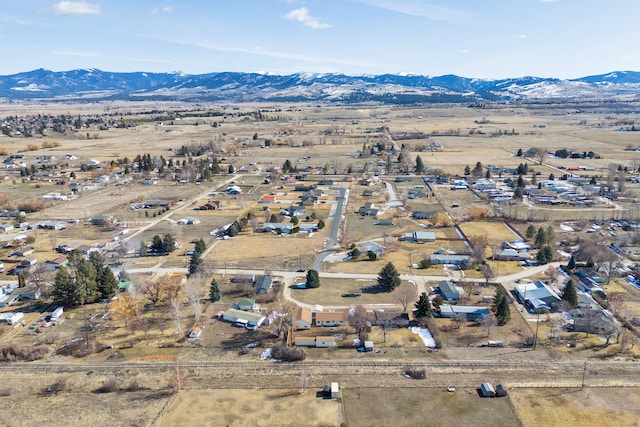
<point>244,87</point>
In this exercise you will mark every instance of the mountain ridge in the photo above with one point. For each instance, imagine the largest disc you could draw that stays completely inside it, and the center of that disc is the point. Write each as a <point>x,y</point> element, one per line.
<point>95,84</point>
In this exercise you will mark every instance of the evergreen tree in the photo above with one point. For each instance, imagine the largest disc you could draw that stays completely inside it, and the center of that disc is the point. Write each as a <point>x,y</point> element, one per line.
<point>503,313</point>
<point>107,284</point>
<point>320,224</point>
<point>65,291</point>
<point>570,294</point>
<point>195,263</point>
<point>550,236</point>
<point>200,246</point>
<point>541,238</point>
<point>86,281</point>
<point>273,218</point>
<point>423,306</point>
<point>545,255</point>
<point>500,306</point>
<point>388,278</point>
<point>313,279</point>
<point>21,281</point>
<point>517,194</point>
<point>572,263</point>
<point>531,231</point>
<point>214,291</point>
<point>519,154</point>
<point>143,249</point>
<point>467,170</point>
<point>419,168</point>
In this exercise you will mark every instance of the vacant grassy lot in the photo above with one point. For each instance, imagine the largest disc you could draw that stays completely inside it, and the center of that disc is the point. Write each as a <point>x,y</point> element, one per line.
<point>331,290</point>
<point>602,407</point>
<point>419,406</point>
<point>495,231</point>
<point>230,407</point>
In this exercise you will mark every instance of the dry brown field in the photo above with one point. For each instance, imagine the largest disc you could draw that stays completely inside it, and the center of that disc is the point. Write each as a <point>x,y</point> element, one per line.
<point>578,407</point>
<point>419,406</point>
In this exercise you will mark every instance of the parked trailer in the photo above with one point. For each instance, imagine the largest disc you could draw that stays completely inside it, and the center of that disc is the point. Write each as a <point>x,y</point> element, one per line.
<point>57,313</point>
<point>501,391</point>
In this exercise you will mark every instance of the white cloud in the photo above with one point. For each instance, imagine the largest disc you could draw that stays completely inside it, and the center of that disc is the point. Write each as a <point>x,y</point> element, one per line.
<point>520,36</point>
<point>548,1</point>
<point>163,9</point>
<point>302,15</point>
<point>419,9</point>
<point>76,8</point>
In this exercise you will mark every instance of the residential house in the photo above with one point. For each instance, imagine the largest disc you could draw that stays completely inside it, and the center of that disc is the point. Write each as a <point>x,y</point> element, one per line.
<point>325,342</point>
<point>248,304</point>
<point>330,318</point>
<point>58,262</point>
<point>369,246</point>
<point>420,237</point>
<point>263,284</point>
<point>459,260</point>
<point>276,227</point>
<point>304,341</point>
<point>592,321</point>
<point>368,209</point>
<point>268,198</point>
<point>537,296</point>
<point>423,215</point>
<point>103,220</point>
<point>448,290</point>
<point>302,318</point>
<point>292,211</point>
<point>6,227</point>
<point>189,220</point>
<point>26,266</point>
<point>511,255</point>
<point>211,205</point>
<point>155,203</point>
<point>51,225</point>
<point>195,332</point>
<point>240,317</point>
<point>471,313</point>
<point>23,251</point>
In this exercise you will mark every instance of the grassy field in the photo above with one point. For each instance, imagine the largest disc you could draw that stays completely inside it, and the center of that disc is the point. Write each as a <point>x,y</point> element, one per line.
<point>601,407</point>
<point>418,406</point>
<point>230,407</point>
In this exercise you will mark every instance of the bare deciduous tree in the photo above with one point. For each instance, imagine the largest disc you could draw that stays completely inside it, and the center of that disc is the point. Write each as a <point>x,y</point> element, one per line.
<point>489,323</point>
<point>193,290</point>
<point>405,295</point>
<point>175,306</point>
<point>552,273</point>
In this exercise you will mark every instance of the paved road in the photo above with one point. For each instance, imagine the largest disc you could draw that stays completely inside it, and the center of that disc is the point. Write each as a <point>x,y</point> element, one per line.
<point>336,221</point>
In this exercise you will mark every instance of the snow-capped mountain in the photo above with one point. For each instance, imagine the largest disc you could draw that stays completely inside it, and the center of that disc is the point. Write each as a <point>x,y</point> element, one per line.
<point>92,84</point>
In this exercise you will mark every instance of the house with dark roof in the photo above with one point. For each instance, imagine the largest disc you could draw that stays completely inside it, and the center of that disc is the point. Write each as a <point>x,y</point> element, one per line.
<point>368,209</point>
<point>448,290</point>
<point>423,215</point>
<point>263,284</point>
<point>471,313</point>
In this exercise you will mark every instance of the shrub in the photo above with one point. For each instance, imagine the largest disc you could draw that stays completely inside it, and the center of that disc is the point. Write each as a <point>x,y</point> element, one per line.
<point>32,147</point>
<point>61,384</point>
<point>51,144</point>
<point>416,374</point>
<point>4,151</point>
<point>288,354</point>
<point>109,386</point>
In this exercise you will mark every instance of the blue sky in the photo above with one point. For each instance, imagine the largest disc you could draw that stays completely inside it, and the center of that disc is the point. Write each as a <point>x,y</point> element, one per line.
<point>471,38</point>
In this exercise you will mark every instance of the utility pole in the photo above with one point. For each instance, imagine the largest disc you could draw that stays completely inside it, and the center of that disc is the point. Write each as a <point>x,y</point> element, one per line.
<point>584,373</point>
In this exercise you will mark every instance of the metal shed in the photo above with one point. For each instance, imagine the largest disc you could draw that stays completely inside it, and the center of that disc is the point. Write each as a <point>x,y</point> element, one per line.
<point>487,390</point>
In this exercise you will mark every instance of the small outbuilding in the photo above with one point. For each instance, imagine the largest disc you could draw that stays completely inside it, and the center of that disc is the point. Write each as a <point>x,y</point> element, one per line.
<point>487,390</point>
<point>195,332</point>
<point>501,391</point>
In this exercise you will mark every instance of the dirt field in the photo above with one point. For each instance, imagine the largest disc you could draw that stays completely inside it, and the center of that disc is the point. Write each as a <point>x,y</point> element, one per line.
<point>251,408</point>
<point>597,407</point>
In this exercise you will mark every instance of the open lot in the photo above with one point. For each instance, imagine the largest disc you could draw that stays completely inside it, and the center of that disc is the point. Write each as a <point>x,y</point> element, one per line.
<point>419,406</point>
